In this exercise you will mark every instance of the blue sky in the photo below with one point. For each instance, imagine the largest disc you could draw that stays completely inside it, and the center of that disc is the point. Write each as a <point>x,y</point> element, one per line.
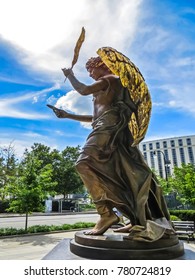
<point>37,39</point>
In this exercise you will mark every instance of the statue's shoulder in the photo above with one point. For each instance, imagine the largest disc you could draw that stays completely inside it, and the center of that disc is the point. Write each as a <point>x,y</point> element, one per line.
<point>111,78</point>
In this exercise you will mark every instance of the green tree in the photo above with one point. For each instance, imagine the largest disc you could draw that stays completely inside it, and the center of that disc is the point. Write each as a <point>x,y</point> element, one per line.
<point>183,180</point>
<point>39,151</point>
<point>166,185</point>
<point>31,187</point>
<point>64,172</point>
<point>66,175</point>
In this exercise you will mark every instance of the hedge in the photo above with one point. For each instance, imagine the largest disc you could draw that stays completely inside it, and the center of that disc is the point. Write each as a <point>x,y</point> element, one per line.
<point>44,229</point>
<point>184,215</point>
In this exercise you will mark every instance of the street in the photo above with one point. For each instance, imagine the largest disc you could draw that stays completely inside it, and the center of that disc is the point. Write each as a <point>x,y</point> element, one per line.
<point>19,221</point>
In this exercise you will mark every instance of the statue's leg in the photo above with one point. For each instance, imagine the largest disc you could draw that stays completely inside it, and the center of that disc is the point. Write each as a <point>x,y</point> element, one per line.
<point>93,184</point>
<point>106,220</point>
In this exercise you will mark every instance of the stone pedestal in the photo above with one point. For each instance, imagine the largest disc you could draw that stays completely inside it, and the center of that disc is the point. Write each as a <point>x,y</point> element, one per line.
<point>115,246</point>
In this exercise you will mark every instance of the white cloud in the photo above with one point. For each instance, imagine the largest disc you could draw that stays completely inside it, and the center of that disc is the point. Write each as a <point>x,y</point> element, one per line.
<point>47,30</point>
<point>40,25</point>
<point>32,134</point>
<point>18,144</point>
<point>8,105</point>
<point>11,113</point>
<point>75,103</point>
<point>172,103</point>
<point>184,61</point>
<point>167,59</point>
<point>25,141</point>
<point>181,97</point>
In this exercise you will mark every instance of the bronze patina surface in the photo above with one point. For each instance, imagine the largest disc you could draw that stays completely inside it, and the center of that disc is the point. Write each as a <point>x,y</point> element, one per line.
<point>111,165</point>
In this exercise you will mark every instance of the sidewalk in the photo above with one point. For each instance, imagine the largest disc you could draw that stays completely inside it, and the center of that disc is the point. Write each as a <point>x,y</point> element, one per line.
<point>37,247</point>
<point>33,247</point>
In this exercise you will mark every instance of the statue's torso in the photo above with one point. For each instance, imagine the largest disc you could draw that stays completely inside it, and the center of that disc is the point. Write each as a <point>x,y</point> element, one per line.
<point>104,99</point>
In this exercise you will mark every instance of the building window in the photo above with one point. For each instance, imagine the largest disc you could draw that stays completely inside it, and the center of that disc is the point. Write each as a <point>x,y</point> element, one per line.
<point>144,147</point>
<point>150,146</point>
<point>145,156</point>
<point>182,156</point>
<point>152,160</point>
<point>157,145</point>
<point>167,162</point>
<point>166,155</point>
<point>160,166</point>
<point>164,144</point>
<point>172,143</point>
<point>191,155</point>
<point>174,156</point>
<point>180,142</point>
<point>188,141</point>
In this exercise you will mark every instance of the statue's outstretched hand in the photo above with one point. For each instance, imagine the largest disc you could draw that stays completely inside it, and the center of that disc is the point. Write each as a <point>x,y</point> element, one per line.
<point>59,112</point>
<point>67,71</point>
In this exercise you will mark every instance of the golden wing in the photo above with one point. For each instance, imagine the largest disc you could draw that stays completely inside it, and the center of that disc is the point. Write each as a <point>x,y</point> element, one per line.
<point>132,79</point>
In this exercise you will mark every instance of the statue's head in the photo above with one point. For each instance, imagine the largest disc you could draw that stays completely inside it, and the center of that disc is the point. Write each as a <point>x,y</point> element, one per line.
<point>95,62</point>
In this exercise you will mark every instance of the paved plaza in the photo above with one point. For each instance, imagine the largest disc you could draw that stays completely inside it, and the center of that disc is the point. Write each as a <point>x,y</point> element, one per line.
<point>45,246</point>
<point>32,247</point>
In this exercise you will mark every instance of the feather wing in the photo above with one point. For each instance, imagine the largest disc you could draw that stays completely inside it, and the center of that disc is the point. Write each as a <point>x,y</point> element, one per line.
<point>132,79</point>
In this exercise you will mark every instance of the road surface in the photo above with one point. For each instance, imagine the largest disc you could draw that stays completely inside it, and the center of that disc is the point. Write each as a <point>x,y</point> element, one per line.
<point>19,221</point>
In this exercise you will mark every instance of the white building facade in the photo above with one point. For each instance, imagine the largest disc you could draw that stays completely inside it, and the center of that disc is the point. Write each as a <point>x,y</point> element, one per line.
<point>163,154</point>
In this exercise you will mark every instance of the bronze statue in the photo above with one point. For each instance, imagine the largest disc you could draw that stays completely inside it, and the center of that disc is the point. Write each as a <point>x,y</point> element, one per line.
<point>111,166</point>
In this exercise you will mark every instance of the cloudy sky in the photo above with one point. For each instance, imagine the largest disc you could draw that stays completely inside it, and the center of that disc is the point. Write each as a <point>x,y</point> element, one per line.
<point>37,39</point>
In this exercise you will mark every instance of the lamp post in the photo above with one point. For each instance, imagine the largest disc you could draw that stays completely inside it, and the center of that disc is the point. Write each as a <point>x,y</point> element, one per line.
<point>166,163</point>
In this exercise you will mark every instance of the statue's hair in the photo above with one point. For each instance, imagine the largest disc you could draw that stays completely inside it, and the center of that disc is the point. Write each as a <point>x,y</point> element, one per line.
<point>95,62</point>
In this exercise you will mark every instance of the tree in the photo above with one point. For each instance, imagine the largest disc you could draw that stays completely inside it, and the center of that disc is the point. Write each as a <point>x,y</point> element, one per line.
<point>65,173</point>
<point>31,187</point>
<point>184,181</point>
<point>2,178</point>
<point>8,167</point>
<point>40,152</point>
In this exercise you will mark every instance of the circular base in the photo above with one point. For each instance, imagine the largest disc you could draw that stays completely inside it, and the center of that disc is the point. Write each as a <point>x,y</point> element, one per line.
<point>116,247</point>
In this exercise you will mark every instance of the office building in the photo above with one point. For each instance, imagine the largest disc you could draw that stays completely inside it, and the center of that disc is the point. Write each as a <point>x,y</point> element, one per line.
<point>163,154</point>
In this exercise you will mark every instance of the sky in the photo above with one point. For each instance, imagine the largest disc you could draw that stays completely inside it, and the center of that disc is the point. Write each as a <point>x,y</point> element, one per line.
<point>37,40</point>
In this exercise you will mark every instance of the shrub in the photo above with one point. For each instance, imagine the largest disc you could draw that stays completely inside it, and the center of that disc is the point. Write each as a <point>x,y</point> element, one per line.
<point>184,215</point>
<point>175,218</point>
<point>43,228</point>
<point>11,231</point>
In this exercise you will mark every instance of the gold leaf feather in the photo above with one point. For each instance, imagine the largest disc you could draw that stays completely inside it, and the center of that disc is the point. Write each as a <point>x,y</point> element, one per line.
<point>78,46</point>
<point>132,79</point>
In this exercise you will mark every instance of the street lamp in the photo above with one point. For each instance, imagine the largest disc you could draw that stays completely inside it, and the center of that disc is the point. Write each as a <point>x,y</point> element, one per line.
<point>166,163</point>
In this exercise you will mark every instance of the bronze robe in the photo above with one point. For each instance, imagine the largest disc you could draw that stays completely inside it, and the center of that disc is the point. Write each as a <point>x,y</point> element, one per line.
<point>125,180</point>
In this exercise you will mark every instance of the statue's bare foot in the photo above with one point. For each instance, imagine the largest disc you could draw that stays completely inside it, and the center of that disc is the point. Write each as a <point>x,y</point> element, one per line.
<point>105,221</point>
<point>124,229</point>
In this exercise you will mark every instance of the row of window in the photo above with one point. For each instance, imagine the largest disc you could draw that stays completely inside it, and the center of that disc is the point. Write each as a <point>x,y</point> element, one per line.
<point>165,144</point>
<point>174,157</point>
